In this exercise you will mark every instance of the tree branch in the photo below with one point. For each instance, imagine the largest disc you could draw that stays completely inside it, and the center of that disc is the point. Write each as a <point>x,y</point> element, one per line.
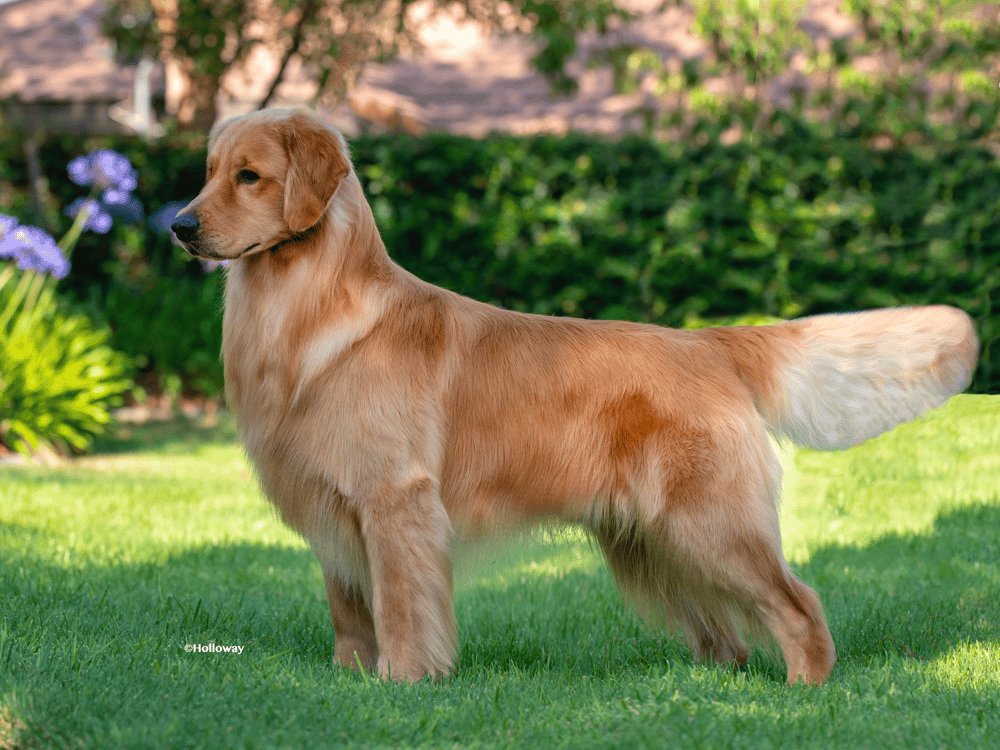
<point>309,10</point>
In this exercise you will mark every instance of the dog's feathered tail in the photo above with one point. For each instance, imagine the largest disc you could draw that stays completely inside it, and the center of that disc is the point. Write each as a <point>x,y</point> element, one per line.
<point>833,381</point>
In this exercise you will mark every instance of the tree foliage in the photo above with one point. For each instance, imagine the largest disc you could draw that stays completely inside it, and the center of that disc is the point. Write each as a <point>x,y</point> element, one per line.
<point>201,40</point>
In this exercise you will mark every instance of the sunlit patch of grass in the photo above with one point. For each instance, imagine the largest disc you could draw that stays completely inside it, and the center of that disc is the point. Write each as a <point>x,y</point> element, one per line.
<point>110,566</point>
<point>896,483</point>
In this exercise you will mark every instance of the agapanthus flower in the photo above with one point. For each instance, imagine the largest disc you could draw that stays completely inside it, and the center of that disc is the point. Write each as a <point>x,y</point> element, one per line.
<point>33,249</point>
<point>164,216</point>
<point>126,207</point>
<point>98,220</point>
<point>113,175</point>
<point>104,169</point>
<point>6,224</point>
<point>115,197</point>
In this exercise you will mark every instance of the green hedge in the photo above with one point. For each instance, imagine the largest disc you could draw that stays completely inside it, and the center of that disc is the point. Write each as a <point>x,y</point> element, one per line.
<point>794,217</point>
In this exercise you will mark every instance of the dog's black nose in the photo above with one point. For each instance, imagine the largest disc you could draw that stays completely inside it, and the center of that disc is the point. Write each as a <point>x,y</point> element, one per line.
<point>185,227</point>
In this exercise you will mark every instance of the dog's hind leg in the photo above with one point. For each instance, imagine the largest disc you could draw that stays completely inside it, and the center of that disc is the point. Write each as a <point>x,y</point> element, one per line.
<point>407,533</point>
<point>661,589</point>
<point>704,539</point>
<point>732,544</point>
<point>713,628</point>
<point>352,623</point>
<point>759,580</point>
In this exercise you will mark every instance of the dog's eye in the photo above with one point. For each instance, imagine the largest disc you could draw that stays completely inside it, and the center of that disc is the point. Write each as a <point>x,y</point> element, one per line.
<point>247,177</point>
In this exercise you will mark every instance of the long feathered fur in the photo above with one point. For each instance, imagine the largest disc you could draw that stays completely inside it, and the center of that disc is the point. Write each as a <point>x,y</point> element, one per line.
<point>386,416</point>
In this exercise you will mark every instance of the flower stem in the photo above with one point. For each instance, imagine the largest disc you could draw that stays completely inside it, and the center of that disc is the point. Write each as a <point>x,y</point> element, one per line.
<point>37,284</point>
<point>16,300</point>
<point>6,275</point>
<point>69,240</point>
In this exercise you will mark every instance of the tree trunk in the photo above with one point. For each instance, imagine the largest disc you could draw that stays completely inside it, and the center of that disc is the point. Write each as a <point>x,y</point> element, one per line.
<point>191,96</point>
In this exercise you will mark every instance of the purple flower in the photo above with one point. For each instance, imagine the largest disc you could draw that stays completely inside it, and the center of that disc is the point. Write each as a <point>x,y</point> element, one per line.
<point>98,220</point>
<point>80,204</point>
<point>113,175</point>
<point>79,171</point>
<point>163,217</point>
<point>129,210</point>
<point>116,197</point>
<point>112,169</point>
<point>33,249</point>
<point>105,170</point>
<point>6,224</point>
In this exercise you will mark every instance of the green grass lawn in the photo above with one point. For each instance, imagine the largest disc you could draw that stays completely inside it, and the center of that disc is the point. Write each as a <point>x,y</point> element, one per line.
<point>109,566</point>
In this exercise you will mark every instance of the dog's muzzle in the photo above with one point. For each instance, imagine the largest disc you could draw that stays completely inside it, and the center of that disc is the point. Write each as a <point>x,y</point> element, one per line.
<point>186,228</point>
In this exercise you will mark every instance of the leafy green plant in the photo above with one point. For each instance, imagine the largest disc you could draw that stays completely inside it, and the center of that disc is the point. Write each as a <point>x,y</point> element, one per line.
<point>58,376</point>
<point>556,25</point>
<point>172,330</point>
<point>755,36</point>
<point>907,25</point>
<point>58,372</point>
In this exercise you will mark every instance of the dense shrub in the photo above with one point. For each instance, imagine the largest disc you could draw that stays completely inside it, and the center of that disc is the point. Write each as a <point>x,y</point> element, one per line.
<point>173,329</point>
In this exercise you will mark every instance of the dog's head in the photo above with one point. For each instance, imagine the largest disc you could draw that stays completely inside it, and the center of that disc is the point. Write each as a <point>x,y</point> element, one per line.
<point>271,177</point>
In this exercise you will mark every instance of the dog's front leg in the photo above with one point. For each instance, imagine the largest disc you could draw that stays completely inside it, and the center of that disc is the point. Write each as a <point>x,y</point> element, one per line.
<point>406,532</point>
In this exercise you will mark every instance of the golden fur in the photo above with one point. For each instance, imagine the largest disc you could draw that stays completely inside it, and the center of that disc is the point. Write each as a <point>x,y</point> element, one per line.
<point>385,416</point>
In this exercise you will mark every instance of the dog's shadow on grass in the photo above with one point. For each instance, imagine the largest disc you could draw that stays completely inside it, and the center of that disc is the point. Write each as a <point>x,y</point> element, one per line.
<point>916,596</point>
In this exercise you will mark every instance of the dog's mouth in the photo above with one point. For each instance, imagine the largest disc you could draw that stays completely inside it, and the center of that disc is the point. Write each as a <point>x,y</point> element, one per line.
<point>201,252</point>
<point>195,248</point>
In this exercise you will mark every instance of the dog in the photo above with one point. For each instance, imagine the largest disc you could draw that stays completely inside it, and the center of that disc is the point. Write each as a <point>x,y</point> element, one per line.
<point>386,417</point>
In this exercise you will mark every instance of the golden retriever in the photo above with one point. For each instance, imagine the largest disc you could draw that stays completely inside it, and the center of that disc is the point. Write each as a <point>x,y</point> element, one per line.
<point>386,416</point>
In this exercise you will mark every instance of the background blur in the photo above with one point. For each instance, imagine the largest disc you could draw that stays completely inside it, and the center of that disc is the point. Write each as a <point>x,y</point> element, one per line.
<point>681,163</point>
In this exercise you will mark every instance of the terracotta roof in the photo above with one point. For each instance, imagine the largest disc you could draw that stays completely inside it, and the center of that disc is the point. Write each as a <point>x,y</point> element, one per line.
<point>52,50</point>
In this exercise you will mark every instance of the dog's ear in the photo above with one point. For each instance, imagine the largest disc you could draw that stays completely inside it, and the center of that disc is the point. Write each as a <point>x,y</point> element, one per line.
<point>316,166</point>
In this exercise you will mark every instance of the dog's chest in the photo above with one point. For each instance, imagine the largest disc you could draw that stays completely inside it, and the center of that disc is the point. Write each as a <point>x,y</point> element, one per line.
<point>280,336</point>
<point>255,355</point>
<point>288,354</point>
